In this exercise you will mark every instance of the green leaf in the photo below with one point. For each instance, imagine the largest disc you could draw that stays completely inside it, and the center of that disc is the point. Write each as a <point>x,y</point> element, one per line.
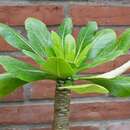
<point>101,40</point>
<point>39,37</point>
<point>14,38</point>
<point>8,84</point>
<point>102,56</point>
<point>119,86</point>
<point>101,59</point>
<point>83,55</point>
<point>85,36</point>
<point>57,45</point>
<point>65,28</point>
<point>58,67</point>
<point>115,50</point>
<point>22,70</point>
<point>34,56</point>
<point>87,88</point>
<point>124,41</point>
<point>70,48</point>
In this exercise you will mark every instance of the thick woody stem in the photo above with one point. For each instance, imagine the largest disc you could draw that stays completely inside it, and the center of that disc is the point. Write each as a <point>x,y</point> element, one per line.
<point>61,108</point>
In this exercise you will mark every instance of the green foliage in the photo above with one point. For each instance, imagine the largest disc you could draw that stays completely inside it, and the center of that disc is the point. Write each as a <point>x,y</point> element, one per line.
<point>82,56</point>
<point>8,84</point>
<point>64,29</point>
<point>14,38</point>
<point>115,49</point>
<point>87,88</point>
<point>21,70</point>
<point>57,46</point>
<point>58,67</point>
<point>101,40</point>
<point>60,57</point>
<point>34,56</point>
<point>70,48</point>
<point>39,37</point>
<point>86,35</point>
<point>118,86</point>
<point>102,58</point>
<point>124,41</point>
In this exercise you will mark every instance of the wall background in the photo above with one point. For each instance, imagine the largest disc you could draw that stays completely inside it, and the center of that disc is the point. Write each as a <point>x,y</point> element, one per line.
<point>31,107</point>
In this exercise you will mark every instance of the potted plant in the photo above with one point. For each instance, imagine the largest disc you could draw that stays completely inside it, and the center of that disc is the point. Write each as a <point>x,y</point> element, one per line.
<point>62,58</point>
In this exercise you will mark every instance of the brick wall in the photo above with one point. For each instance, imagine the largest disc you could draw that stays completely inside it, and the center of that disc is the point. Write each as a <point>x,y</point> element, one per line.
<point>31,107</point>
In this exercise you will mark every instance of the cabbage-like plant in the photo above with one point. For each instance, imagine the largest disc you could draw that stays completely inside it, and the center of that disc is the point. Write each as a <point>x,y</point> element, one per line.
<point>62,58</point>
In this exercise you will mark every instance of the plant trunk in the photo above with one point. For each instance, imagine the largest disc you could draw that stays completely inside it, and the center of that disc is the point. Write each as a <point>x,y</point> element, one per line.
<point>61,107</point>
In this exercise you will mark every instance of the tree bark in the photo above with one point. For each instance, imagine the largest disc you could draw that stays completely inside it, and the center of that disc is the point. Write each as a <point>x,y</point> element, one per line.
<point>61,107</point>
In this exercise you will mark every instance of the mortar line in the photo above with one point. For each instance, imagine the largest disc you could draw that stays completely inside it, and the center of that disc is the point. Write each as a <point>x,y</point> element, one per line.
<point>61,2</point>
<point>83,100</point>
<point>72,123</point>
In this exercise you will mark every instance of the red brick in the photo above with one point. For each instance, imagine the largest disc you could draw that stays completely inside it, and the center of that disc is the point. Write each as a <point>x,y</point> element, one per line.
<point>100,68</point>
<point>119,127</point>
<point>75,32</point>
<point>27,60</point>
<point>1,70</point>
<point>85,128</point>
<point>43,89</point>
<point>119,30</point>
<point>104,15</point>
<point>26,114</point>
<point>46,90</point>
<point>100,111</point>
<point>16,15</point>
<point>121,60</point>
<point>15,96</point>
<point>109,65</point>
<point>73,128</point>
<point>5,47</point>
<point>43,113</point>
